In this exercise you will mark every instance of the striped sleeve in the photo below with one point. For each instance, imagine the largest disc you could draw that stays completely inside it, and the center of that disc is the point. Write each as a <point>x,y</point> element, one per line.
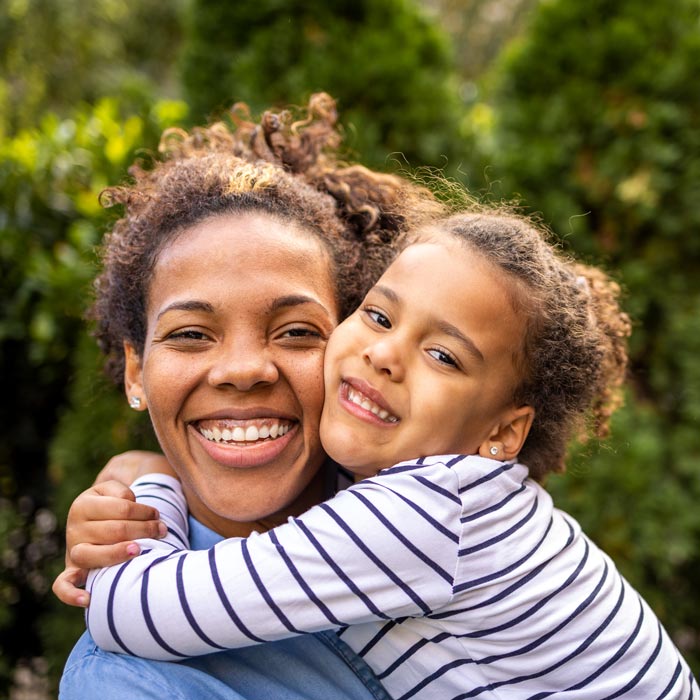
<point>377,551</point>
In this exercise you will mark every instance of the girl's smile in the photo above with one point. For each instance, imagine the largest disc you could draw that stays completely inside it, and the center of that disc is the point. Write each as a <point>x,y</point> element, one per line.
<point>435,338</point>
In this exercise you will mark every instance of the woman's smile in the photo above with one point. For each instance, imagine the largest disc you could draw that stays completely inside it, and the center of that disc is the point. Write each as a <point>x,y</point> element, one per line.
<point>232,369</point>
<point>241,444</point>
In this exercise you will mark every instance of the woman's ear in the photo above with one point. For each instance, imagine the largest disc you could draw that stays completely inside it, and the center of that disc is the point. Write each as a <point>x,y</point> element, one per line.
<point>133,378</point>
<point>507,438</point>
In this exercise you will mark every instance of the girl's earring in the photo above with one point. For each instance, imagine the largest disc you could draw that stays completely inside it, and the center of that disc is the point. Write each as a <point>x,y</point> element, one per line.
<point>493,450</point>
<point>135,402</point>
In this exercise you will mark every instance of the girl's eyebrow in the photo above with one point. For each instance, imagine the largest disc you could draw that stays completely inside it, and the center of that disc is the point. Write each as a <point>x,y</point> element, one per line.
<point>389,293</point>
<point>443,326</point>
<point>468,343</point>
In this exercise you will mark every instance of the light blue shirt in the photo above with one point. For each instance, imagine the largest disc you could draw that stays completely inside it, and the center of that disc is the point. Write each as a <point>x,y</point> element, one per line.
<point>308,667</point>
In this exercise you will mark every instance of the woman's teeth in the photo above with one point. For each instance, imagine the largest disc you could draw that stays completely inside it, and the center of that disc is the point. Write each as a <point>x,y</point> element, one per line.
<point>361,400</point>
<point>251,433</point>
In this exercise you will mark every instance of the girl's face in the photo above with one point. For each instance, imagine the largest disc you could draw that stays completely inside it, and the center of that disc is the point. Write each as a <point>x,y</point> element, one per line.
<point>426,365</point>
<point>239,311</point>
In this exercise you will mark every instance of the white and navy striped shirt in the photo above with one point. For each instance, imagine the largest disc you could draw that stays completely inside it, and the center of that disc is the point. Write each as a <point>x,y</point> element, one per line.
<point>454,577</point>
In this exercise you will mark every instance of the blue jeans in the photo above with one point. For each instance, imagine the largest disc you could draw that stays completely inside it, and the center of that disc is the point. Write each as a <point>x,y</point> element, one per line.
<point>310,667</point>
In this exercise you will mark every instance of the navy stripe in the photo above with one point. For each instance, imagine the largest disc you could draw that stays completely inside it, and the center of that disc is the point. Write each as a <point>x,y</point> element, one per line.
<point>186,607</point>
<point>147,613</point>
<point>157,484</point>
<point>403,467</point>
<point>305,586</point>
<point>535,608</point>
<point>438,489</point>
<point>417,646</point>
<point>642,671</point>
<point>377,637</point>
<point>225,601</point>
<point>110,608</point>
<point>671,683</point>
<point>523,581</point>
<point>517,652</point>
<point>425,608</point>
<point>406,542</point>
<point>581,648</point>
<point>426,516</point>
<point>502,535</point>
<point>264,592</point>
<point>184,542</point>
<point>508,569</point>
<point>495,507</point>
<point>340,573</point>
<point>505,466</point>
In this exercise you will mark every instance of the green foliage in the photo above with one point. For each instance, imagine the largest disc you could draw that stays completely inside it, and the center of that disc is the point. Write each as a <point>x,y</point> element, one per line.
<point>593,118</point>
<point>56,53</point>
<point>385,62</point>
<point>50,222</point>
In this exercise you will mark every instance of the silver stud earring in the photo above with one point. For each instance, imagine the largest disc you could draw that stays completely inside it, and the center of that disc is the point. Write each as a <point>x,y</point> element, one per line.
<point>135,402</point>
<point>493,450</point>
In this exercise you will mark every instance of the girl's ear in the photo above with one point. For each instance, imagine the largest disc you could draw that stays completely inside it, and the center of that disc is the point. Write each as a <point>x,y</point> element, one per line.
<point>509,435</point>
<point>133,378</point>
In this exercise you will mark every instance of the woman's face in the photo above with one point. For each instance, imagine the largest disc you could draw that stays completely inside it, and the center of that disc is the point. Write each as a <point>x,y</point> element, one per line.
<point>238,314</point>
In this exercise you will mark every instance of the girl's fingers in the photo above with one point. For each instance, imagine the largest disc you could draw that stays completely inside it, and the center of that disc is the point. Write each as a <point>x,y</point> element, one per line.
<point>108,532</point>
<point>94,556</point>
<point>67,587</point>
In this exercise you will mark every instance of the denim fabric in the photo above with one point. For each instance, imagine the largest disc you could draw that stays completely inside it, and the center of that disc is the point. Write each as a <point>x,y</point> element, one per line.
<point>310,667</point>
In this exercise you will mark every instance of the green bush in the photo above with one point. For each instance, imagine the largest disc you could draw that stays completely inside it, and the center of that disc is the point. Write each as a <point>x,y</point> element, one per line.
<point>50,222</point>
<point>593,119</point>
<point>388,65</point>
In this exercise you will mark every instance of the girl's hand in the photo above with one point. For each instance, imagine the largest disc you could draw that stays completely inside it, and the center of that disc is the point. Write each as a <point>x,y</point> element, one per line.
<point>104,520</point>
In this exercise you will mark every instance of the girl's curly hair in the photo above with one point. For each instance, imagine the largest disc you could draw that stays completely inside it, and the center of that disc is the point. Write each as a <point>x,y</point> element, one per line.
<point>573,357</point>
<point>282,166</point>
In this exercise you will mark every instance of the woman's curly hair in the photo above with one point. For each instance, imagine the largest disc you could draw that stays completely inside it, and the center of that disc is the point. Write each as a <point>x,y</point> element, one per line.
<point>573,358</point>
<point>282,166</point>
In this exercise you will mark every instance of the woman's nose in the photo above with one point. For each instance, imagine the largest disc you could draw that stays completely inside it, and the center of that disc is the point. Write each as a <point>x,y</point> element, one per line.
<point>243,365</point>
<point>386,358</point>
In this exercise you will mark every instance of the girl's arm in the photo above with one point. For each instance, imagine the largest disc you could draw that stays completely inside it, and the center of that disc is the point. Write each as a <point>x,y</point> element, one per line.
<point>379,550</point>
<point>104,521</point>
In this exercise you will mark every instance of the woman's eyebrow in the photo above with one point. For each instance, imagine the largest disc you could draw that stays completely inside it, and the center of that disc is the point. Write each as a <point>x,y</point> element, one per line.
<point>191,305</point>
<point>294,300</point>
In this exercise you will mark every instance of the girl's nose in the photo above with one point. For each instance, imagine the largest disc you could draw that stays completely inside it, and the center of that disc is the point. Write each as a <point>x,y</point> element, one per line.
<point>385,357</point>
<point>243,366</point>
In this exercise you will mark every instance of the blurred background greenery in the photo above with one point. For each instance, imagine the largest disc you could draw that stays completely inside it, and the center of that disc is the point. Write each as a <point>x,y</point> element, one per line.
<point>588,112</point>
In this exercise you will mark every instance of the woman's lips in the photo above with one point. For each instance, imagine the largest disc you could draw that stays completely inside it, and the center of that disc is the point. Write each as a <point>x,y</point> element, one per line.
<point>248,443</point>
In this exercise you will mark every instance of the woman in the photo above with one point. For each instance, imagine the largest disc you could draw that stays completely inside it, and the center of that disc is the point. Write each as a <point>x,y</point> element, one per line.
<point>250,244</point>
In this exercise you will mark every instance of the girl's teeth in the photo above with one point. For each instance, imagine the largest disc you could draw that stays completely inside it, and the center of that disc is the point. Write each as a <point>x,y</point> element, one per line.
<point>251,433</point>
<point>238,434</point>
<point>362,401</point>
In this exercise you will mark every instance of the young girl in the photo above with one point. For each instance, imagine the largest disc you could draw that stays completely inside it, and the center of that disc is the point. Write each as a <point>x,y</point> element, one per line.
<point>446,566</point>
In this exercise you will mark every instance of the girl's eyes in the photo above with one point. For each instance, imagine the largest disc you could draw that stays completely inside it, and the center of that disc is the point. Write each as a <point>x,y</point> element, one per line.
<point>379,318</point>
<point>443,357</point>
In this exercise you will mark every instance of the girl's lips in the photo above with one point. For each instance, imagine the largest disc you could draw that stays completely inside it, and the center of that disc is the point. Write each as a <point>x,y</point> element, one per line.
<point>365,402</point>
<point>244,453</point>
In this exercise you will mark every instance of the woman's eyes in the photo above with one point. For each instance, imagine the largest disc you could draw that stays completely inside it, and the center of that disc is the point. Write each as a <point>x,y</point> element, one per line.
<point>188,334</point>
<point>301,332</point>
<point>379,318</point>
